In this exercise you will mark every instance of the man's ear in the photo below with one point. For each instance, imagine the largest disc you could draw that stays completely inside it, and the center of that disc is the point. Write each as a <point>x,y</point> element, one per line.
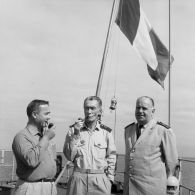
<point>34,114</point>
<point>100,111</point>
<point>153,110</point>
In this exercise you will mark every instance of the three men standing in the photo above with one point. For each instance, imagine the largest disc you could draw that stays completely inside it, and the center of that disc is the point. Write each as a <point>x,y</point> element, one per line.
<point>151,153</point>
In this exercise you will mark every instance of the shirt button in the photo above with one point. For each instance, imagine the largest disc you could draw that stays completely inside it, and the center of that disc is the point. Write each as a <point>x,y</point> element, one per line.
<point>130,175</point>
<point>133,150</point>
<point>130,166</point>
<point>131,158</point>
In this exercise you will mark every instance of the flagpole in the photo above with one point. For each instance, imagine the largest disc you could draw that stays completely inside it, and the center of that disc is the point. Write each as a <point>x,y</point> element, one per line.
<point>169,95</point>
<point>100,78</point>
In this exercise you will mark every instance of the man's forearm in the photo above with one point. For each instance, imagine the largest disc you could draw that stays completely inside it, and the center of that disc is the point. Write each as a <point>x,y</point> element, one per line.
<point>44,142</point>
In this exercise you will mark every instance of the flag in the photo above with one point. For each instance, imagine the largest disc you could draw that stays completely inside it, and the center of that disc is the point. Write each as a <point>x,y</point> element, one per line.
<point>136,27</point>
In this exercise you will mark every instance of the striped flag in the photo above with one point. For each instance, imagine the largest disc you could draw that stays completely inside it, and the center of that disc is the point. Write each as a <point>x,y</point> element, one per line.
<point>136,27</point>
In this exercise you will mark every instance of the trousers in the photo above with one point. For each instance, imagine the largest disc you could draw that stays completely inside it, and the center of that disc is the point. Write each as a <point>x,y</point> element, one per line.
<point>32,188</point>
<point>88,184</point>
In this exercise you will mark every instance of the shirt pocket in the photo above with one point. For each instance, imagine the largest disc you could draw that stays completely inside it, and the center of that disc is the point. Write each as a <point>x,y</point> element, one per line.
<point>100,149</point>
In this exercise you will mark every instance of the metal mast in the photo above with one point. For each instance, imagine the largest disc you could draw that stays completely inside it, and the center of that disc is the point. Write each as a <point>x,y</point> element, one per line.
<point>99,84</point>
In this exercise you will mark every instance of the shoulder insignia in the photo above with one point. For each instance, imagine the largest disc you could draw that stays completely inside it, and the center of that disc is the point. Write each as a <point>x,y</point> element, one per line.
<point>130,125</point>
<point>164,125</point>
<point>106,128</point>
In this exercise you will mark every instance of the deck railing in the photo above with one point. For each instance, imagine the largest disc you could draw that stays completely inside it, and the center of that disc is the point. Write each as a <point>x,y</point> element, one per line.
<point>181,186</point>
<point>190,190</point>
<point>7,161</point>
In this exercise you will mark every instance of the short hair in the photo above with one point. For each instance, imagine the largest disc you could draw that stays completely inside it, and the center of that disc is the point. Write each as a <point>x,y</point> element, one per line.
<point>151,99</point>
<point>34,105</point>
<point>90,98</point>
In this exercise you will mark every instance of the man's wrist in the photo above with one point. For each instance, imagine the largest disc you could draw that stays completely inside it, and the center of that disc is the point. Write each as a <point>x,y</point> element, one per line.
<point>44,142</point>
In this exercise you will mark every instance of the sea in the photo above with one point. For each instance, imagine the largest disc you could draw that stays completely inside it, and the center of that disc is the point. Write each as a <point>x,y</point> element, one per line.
<point>8,174</point>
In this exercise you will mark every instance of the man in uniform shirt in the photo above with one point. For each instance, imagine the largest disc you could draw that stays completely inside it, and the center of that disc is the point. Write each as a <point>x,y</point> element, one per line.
<point>35,158</point>
<point>90,146</point>
<point>151,153</point>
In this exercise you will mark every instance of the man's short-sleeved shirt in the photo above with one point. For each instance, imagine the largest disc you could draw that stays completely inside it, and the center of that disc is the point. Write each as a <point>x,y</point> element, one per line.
<point>33,163</point>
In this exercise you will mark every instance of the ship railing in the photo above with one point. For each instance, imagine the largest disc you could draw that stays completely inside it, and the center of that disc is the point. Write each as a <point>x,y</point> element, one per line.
<point>190,190</point>
<point>182,186</point>
<point>67,168</point>
<point>7,166</point>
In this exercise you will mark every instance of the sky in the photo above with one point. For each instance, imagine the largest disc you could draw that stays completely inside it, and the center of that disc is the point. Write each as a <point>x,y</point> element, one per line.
<point>52,50</point>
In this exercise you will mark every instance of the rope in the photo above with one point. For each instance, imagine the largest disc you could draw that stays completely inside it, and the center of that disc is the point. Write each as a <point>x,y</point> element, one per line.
<point>114,125</point>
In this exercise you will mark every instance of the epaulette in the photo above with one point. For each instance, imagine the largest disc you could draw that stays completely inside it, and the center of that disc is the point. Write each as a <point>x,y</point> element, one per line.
<point>130,125</point>
<point>164,125</point>
<point>105,127</point>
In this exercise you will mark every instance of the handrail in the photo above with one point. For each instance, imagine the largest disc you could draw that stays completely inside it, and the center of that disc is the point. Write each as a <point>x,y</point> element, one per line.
<point>186,160</point>
<point>181,186</point>
<point>190,190</point>
<point>187,188</point>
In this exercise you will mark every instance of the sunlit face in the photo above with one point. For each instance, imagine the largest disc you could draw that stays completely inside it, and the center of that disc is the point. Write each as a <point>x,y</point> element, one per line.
<point>42,115</point>
<point>92,110</point>
<point>144,110</point>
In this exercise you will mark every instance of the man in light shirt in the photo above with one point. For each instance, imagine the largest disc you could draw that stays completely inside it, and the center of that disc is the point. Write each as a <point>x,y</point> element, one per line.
<point>151,153</point>
<point>90,146</point>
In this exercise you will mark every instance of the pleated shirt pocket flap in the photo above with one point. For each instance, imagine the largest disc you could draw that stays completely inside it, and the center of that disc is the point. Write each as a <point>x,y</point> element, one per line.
<point>100,145</point>
<point>100,149</point>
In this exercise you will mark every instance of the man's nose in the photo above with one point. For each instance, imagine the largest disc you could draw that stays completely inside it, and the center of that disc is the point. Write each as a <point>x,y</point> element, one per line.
<point>48,117</point>
<point>140,110</point>
<point>89,111</point>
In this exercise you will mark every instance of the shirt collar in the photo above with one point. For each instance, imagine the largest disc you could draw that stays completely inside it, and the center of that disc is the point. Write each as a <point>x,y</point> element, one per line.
<point>33,130</point>
<point>96,128</point>
<point>149,124</point>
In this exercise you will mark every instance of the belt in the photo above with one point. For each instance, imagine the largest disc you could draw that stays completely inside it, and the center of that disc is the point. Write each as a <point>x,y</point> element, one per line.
<point>40,180</point>
<point>90,171</point>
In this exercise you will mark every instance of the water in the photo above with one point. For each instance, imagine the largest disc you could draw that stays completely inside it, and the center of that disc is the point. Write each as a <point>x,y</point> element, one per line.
<point>188,175</point>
